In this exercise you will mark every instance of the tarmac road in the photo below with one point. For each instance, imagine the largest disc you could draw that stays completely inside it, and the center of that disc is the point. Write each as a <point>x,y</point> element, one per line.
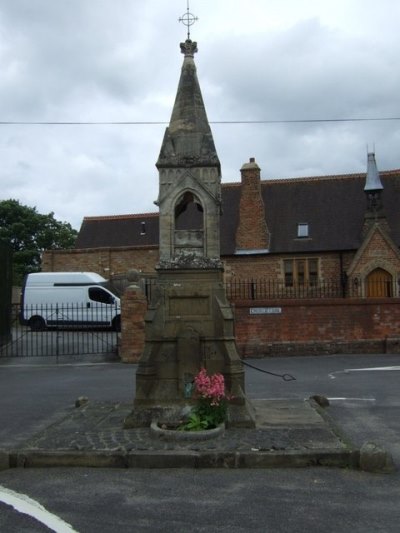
<point>365,402</point>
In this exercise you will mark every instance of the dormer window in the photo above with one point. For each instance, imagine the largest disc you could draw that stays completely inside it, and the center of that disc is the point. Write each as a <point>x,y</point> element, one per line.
<point>302,230</point>
<point>143,228</point>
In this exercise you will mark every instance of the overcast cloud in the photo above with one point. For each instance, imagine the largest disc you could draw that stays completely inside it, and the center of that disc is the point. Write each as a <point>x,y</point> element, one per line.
<point>119,60</point>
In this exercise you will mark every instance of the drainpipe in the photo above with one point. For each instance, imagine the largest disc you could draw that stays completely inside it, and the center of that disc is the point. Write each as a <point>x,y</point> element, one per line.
<point>343,276</point>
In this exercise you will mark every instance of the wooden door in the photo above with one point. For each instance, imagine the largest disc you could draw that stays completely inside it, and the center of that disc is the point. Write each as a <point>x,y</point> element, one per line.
<point>379,284</point>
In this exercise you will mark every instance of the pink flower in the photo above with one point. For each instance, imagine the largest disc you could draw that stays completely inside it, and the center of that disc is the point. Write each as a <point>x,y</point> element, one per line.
<point>210,387</point>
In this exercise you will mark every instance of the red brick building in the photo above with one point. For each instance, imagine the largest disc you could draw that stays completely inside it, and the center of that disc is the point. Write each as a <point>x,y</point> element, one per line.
<point>312,265</point>
<point>306,232</point>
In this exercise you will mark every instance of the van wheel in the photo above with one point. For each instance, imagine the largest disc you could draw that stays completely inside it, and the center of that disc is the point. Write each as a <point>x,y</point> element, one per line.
<point>37,323</point>
<point>116,323</point>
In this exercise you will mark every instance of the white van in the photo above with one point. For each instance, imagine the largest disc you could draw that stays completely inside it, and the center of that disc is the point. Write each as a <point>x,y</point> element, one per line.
<point>68,298</point>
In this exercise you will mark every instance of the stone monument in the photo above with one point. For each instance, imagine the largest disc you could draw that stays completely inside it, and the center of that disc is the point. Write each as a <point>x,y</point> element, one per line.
<point>189,322</point>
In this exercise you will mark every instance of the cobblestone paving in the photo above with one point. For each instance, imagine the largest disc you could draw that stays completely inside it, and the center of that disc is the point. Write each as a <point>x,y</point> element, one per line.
<point>99,427</point>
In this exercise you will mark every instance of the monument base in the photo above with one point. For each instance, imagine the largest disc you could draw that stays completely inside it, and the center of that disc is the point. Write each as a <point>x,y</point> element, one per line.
<point>189,325</point>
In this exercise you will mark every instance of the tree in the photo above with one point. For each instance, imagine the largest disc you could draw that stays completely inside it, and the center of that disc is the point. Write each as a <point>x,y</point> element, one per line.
<point>29,233</point>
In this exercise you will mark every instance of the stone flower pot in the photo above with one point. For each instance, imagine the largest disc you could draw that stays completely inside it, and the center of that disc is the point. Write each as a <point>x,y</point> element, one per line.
<point>168,431</point>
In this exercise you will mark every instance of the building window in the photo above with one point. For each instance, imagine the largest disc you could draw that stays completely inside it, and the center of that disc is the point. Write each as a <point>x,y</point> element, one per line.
<point>300,272</point>
<point>143,228</point>
<point>302,230</point>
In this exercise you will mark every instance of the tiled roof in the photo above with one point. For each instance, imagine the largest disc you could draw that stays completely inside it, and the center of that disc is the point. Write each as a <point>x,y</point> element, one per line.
<point>333,207</point>
<point>118,230</point>
<point>119,217</point>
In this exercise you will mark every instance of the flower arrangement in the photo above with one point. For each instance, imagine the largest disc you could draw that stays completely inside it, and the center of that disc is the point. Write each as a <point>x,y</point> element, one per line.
<point>211,408</point>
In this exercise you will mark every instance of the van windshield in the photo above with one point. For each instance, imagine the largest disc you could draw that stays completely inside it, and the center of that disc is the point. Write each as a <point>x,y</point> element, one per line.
<point>112,288</point>
<point>97,294</point>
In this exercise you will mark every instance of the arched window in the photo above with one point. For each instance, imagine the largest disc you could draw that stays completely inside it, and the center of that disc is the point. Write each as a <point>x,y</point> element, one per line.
<point>379,284</point>
<point>188,213</point>
<point>189,226</point>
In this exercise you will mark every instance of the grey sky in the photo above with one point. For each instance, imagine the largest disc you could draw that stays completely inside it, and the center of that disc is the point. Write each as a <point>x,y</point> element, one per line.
<point>119,60</point>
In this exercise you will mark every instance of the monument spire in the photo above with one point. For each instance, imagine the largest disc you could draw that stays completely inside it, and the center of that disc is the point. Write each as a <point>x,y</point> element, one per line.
<point>188,140</point>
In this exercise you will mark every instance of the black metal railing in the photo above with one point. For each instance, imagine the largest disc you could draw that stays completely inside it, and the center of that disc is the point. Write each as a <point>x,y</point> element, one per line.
<point>56,330</point>
<point>260,289</point>
<point>5,291</point>
<point>266,289</point>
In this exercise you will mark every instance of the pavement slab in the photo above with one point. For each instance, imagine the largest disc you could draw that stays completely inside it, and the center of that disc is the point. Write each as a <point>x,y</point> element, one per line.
<point>288,433</point>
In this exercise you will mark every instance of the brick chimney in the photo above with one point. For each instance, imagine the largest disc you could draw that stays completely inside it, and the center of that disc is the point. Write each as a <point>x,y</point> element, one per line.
<point>252,233</point>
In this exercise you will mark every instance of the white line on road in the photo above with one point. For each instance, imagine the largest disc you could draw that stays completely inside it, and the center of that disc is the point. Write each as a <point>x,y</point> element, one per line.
<point>371,369</point>
<point>333,399</point>
<point>282,399</point>
<point>378,368</point>
<point>26,505</point>
<point>352,399</point>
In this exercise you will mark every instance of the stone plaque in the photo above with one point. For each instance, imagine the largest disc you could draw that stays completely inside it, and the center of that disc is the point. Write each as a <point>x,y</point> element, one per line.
<point>194,306</point>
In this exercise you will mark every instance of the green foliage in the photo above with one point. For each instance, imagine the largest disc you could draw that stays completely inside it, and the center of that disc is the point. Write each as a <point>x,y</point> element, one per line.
<point>213,413</point>
<point>194,423</point>
<point>29,233</point>
<point>205,416</point>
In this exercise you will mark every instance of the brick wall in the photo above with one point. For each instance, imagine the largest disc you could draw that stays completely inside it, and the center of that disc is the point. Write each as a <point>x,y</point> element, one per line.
<point>271,266</point>
<point>331,264</point>
<point>112,261</point>
<point>104,261</point>
<point>318,327</point>
<point>303,327</point>
<point>252,267</point>
<point>133,309</point>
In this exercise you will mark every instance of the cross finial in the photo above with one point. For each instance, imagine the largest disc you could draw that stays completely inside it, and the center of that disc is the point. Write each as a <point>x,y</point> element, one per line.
<point>188,19</point>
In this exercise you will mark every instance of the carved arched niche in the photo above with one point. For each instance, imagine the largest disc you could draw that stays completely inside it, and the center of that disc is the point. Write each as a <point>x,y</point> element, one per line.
<point>188,225</point>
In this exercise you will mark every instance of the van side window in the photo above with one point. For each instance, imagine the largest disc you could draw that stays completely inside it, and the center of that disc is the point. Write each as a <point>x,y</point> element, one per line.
<point>99,295</point>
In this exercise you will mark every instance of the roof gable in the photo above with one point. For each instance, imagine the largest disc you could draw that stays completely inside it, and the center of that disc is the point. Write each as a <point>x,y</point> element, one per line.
<point>376,239</point>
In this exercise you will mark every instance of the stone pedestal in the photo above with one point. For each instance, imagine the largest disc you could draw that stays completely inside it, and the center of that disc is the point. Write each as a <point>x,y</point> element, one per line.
<point>189,325</point>
<point>133,309</point>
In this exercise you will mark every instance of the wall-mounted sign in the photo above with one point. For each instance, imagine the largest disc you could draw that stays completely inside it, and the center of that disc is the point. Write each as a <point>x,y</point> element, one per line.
<point>265,310</point>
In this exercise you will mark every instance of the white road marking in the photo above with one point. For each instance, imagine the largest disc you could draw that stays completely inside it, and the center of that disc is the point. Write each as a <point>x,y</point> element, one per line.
<point>26,505</point>
<point>352,399</point>
<point>283,399</point>
<point>331,399</point>
<point>370,369</point>
<point>377,368</point>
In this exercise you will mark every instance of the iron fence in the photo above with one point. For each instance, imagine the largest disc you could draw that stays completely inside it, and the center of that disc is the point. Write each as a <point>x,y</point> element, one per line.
<point>38,331</point>
<point>265,289</point>
<point>260,289</point>
<point>5,291</point>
